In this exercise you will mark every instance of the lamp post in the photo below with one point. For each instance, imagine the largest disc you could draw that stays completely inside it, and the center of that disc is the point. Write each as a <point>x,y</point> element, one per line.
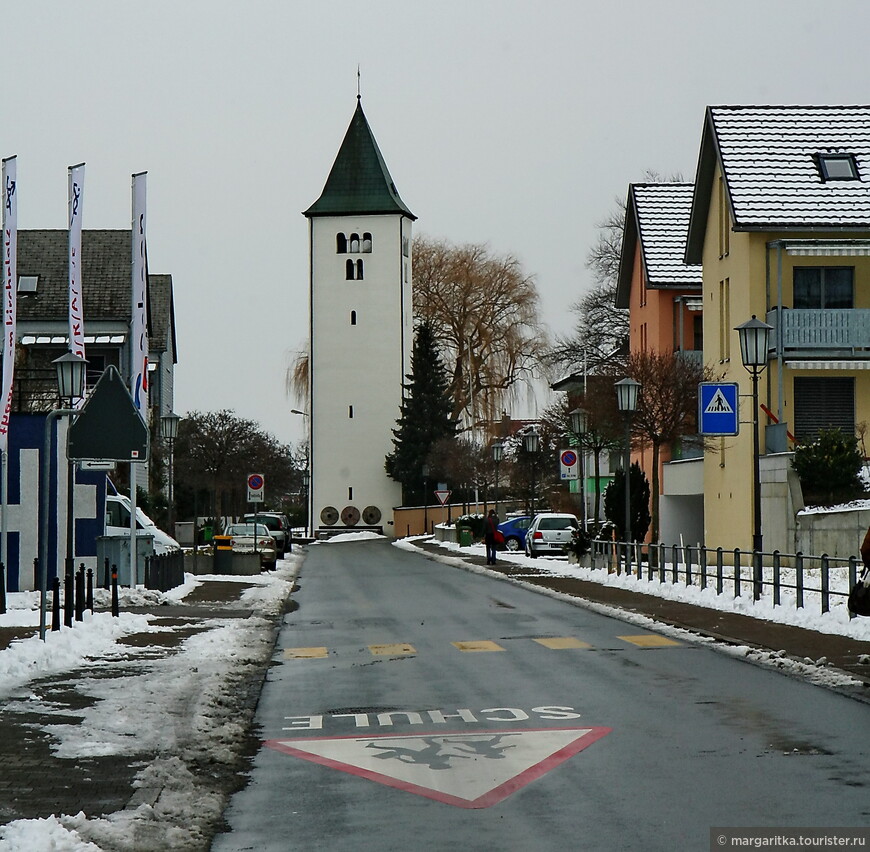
<point>424,470</point>
<point>531,444</point>
<point>754,342</point>
<point>497,456</point>
<point>169,430</point>
<point>306,484</point>
<point>307,474</point>
<point>579,425</point>
<point>71,386</point>
<point>627,392</point>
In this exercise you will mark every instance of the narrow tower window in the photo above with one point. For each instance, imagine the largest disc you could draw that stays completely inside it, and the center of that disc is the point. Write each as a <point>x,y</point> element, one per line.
<point>340,244</point>
<point>350,412</point>
<point>348,270</point>
<point>350,492</point>
<point>353,317</point>
<point>367,242</point>
<point>359,270</point>
<point>354,243</point>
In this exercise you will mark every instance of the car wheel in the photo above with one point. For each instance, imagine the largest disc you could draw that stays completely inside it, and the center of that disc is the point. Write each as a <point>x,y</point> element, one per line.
<point>512,543</point>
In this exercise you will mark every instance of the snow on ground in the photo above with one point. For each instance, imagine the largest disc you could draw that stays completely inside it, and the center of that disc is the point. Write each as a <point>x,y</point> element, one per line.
<point>181,711</point>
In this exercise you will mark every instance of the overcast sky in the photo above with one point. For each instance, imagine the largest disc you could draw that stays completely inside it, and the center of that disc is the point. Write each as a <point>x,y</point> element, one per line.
<point>517,124</point>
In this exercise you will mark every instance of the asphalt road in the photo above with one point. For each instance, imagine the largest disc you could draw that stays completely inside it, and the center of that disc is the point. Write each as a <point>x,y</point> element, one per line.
<point>414,705</point>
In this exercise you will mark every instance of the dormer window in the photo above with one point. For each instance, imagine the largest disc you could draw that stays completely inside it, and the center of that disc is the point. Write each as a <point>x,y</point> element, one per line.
<point>837,167</point>
<point>27,284</point>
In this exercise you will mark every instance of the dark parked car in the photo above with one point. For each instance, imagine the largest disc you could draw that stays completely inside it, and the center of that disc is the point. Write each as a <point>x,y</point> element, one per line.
<point>512,533</point>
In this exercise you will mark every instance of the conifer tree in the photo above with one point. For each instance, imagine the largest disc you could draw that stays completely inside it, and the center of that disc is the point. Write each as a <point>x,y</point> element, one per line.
<point>425,417</point>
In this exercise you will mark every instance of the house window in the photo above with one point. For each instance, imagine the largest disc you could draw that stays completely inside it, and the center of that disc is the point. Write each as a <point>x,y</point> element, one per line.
<point>818,287</point>
<point>354,243</point>
<point>837,166</point>
<point>348,270</point>
<point>698,332</point>
<point>406,246</point>
<point>350,492</point>
<point>353,317</point>
<point>27,284</point>
<point>823,403</point>
<point>359,270</point>
<point>367,243</point>
<point>340,244</point>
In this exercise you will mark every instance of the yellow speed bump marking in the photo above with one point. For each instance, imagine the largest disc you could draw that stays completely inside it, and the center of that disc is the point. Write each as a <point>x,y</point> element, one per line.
<point>650,641</point>
<point>305,653</point>
<point>392,650</point>
<point>561,642</point>
<point>482,645</point>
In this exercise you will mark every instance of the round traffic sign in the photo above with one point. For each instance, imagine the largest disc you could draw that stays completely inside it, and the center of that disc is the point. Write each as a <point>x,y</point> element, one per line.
<point>569,458</point>
<point>255,481</point>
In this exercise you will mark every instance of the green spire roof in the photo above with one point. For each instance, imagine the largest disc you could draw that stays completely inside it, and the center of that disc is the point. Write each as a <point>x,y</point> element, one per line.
<point>359,181</point>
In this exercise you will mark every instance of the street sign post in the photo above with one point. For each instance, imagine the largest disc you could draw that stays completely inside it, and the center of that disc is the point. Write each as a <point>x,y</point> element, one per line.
<point>718,408</point>
<point>569,467</point>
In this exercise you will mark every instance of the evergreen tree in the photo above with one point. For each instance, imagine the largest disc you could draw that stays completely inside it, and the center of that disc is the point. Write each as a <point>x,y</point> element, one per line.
<point>425,417</point>
<point>614,503</point>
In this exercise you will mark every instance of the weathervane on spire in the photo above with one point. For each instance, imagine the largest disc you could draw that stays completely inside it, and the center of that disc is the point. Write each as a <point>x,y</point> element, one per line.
<point>358,96</point>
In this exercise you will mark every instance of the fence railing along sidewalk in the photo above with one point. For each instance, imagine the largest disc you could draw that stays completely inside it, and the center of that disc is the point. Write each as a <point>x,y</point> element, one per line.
<point>796,579</point>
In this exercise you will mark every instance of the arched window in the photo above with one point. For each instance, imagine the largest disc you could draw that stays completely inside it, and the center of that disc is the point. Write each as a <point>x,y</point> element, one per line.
<point>353,317</point>
<point>367,242</point>
<point>359,270</point>
<point>354,243</point>
<point>340,244</point>
<point>348,270</point>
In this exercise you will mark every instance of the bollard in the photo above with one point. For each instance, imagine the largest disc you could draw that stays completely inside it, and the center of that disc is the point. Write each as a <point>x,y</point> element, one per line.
<point>2,588</point>
<point>68,596</point>
<point>107,576</point>
<point>89,594</point>
<point>80,593</point>
<point>115,608</point>
<point>55,604</point>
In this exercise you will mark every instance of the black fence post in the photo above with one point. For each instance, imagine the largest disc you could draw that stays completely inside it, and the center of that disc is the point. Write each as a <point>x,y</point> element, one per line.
<point>89,592</point>
<point>107,576</point>
<point>2,588</point>
<point>116,610</point>
<point>853,578</point>
<point>55,604</point>
<point>80,593</point>
<point>702,559</point>
<point>719,566</point>
<point>826,599</point>
<point>736,572</point>
<point>799,580</point>
<point>776,578</point>
<point>68,596</point>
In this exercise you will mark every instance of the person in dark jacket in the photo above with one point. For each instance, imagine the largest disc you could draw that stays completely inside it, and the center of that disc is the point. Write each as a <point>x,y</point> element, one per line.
<point>490,526</point>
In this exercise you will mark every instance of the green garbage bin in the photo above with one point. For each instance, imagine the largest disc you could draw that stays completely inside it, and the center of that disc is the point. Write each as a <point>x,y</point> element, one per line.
<point>465,537</point>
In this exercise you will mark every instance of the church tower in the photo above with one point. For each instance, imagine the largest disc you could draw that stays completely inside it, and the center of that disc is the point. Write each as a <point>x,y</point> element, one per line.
<point>361,330</point>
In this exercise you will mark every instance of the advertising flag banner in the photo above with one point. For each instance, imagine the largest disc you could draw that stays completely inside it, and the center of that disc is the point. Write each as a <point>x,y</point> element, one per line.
<point>139,321</point>
<point>10,292</point>
<point>76,306</point>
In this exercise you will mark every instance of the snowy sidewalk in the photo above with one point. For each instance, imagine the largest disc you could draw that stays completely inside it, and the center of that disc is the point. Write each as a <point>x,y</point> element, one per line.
<point>130,733</point>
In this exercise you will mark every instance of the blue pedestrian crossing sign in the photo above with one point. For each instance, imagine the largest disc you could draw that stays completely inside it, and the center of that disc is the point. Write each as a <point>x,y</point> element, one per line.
<point>718,408</point>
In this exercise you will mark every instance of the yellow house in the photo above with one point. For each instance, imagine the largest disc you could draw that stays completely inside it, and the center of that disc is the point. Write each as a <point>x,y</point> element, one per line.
<point>780,222</point>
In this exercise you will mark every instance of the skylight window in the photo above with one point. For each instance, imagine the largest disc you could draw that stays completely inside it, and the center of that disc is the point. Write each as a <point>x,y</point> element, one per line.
<point>838,167</point>
<point>27,283</point>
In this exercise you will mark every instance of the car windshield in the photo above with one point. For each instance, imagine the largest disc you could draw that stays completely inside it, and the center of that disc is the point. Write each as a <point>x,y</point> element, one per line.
<point>247,529</point>
<point>271,523</point>
<point>557,523</point>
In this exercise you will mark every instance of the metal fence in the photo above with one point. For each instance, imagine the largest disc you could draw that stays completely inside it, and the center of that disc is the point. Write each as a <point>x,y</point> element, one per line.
<point>164,572</point>
<point>782,579</point>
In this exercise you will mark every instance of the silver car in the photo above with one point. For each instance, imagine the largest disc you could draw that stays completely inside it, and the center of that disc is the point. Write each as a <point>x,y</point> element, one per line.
<point>549,532</point>
<point>247,538</point>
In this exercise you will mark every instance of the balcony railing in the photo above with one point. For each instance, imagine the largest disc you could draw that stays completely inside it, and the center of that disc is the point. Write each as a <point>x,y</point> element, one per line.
<point>834,332</point>
<point>692,356</point>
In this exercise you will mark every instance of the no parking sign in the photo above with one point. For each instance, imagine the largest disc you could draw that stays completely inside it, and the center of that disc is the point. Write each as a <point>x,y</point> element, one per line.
<point>569,467</point>
<point>256,484</point>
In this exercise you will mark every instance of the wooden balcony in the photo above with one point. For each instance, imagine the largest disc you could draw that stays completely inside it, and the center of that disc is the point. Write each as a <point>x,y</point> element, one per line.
<point>822,333</point>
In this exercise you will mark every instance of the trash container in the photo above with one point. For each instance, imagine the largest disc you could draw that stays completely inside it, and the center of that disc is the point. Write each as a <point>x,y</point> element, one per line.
<point>465,537</point>
<point>206,533</point>
<point>223,554</point>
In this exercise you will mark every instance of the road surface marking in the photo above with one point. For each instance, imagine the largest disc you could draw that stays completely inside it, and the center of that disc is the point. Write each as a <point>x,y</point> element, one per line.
<point>392,650</point>
<point>482,645</point>
<point>468,770</point>
<point>561,642</point>
<point>649,641</point>
<point>305,653</point>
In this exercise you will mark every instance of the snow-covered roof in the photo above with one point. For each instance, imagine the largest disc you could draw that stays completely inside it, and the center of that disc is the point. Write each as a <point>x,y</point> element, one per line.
<point>657,218</point>
<point>771,159</point>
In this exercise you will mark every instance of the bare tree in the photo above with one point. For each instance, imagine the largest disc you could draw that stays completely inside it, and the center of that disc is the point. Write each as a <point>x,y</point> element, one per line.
<point>483,310</point>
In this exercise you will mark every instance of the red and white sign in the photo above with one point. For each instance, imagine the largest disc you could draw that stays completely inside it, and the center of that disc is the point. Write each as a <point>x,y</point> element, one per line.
<point>256,487</point>
<point>569,467</point>
<point>443,496</point>
<point>468,770</point>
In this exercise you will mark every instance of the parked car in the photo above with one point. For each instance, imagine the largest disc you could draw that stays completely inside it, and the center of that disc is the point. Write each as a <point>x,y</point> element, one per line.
<point>117,523</point>
<point>549,532</point>
<point>279,528</point>
<point>249,537</point>
<point>511,534</point>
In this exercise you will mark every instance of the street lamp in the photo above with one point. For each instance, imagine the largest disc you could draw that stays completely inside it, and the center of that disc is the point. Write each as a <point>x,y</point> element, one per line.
<point>306,484</point>
<point>424,470</point>
<point>579,425</point>
<point>627,392</point>
<point>169,430</point>
<point>531,444</point>
<point>497,456</point>
<point>70,371</point>
<point>754,342</point>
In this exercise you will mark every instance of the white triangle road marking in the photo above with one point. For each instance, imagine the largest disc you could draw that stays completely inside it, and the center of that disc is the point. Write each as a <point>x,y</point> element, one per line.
<point>468,770</point>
